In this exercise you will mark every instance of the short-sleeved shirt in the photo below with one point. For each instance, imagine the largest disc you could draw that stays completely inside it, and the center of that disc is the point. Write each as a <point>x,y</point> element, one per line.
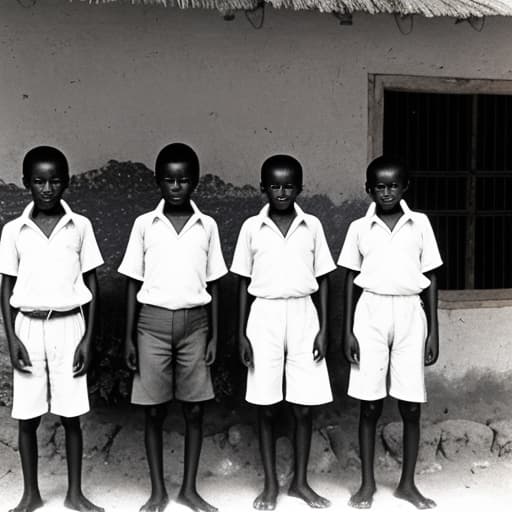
<point>49,270</point>
<point>174,267</point>
<point>391,262</point>
<point>280,266</point>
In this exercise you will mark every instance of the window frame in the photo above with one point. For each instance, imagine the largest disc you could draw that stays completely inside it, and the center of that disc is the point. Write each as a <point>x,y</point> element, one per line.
<point>377,85</point>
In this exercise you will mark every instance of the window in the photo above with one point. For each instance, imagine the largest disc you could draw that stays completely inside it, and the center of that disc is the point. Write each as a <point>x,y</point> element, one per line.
<point>458,146</point>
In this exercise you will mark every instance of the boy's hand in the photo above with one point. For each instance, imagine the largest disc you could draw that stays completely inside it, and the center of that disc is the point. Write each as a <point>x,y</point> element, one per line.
<point>246,355</point>
<point>19,356</point>
<point>320,346</point>
<point>431,349</point>
<point>130,355</point>
<point>211,352</point>
<point>82,358</point>
<point>351,348</point>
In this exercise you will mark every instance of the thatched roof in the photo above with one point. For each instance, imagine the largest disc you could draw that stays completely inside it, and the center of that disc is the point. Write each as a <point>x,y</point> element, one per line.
<point>429,8</point>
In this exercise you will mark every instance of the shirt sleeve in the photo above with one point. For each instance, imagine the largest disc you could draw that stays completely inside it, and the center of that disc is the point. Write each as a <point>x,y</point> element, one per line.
<point>9,259</point>
<point>430,256</point>
<point>90,255</point>
<point>350,256</point>
<point>323,263</point>
<point>133,259</point>
<point>242,258</point>
<point>216,266</point>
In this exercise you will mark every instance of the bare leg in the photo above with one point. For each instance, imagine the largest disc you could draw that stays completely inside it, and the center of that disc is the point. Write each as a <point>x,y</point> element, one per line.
<point>369,415</point>
<point>299,487</point>
<point>74,497</point>
<point>407,490</point>
<point>267,499</point>
<point>27,442</point>
<point>188,495</point>
<point>155,416</point>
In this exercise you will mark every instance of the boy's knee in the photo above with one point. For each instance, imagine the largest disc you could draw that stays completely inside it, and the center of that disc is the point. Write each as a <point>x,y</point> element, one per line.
<point>29,426</point>
<point>301,412</point>
<point>193,412</point>
<point>155,413</point>
<point>410,411</point>
<point>371,411</point>
<point>70,423</point>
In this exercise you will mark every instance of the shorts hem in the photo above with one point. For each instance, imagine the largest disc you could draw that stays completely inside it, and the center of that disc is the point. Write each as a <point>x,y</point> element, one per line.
<point>29,416</point>
<point>194,400</point>
<point>309,403</point>
<point>70,414</point>
<point>255,401</point>
<point>134,401</point>
<point>409,399</point>
<point>367,398</point>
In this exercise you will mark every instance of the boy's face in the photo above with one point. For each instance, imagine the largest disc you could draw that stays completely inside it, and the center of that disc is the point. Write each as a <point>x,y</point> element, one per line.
<point>387,188</point>
<point>282,186</point>
<point>177,181</point>
<point>47,183</point>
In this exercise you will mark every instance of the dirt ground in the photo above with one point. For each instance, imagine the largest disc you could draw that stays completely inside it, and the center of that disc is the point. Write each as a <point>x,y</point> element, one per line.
<point>456,487</point>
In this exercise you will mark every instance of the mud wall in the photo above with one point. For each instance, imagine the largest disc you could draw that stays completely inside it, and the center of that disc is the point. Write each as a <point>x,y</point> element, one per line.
<point>118,81</point>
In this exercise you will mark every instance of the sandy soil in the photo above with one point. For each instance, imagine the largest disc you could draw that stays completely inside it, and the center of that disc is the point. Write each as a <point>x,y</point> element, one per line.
<point>459,486</point>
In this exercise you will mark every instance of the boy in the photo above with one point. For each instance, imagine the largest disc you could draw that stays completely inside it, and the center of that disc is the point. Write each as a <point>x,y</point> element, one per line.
<point>173,261</point>
<point>390,254</point>
<point>48,257</point>
<point>282,258</point>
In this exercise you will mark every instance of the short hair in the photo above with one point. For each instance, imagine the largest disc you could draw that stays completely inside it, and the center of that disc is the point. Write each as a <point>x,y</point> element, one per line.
<point>177,152</point>
<point>45,154</point>
<point>386,162</point>
<point>281,161</point>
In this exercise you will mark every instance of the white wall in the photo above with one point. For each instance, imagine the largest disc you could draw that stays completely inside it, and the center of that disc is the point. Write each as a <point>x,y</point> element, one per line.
<point>117,81</point>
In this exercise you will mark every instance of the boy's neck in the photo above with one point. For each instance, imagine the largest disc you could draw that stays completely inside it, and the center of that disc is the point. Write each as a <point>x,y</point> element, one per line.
<point>57,211</point>
<point>390,217</point>
<point>283,218</point>
<point>181,210</point>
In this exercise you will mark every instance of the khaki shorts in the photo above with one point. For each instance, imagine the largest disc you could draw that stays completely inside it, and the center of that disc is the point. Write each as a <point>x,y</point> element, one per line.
<point>391,331</point>
<point>51,345</point>
<point>282,333</point>
<point>171,348</point>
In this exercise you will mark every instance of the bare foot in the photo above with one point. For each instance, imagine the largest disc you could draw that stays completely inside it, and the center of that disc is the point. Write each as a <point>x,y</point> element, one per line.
<point>192,500</point>
<point>156,503</point>
<point>363,498</point>
<point>267,499</point>
<point>28,503</point>
<point>81,503</point>
<point>305,493</point>
<point>412,495</point>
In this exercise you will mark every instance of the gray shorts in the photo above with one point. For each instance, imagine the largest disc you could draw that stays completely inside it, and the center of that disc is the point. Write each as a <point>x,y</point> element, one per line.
<point>171,347</point>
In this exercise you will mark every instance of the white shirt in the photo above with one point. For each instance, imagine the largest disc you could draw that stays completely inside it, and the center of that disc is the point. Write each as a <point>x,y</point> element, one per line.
<point>174,268</point>
<point>49,270</point>
<point>391,262</point>
<point>280,266</point>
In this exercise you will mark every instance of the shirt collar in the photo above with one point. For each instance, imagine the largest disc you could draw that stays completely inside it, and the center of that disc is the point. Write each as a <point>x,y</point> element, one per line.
<point>265,218</point>
<point>197,214</point>
<point>26,218</point>
<point>370,213</point>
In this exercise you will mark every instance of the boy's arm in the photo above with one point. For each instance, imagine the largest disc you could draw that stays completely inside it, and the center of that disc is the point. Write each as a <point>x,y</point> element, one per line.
<point>213,310</point>
<point>83,353</point>
<point>130,352</point>
<point>350,343</point>
<point>19,356</point>
<point>244,345</point>
<point>320,343</point>
<point>429,297</point>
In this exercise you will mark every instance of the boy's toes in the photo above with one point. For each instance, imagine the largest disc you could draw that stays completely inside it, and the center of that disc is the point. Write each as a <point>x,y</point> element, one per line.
<point>413,496</point>
<point>265,501</point>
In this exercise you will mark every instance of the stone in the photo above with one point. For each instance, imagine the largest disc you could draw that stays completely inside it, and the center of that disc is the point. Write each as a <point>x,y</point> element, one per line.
<point>503,439</point>
<point>463,438</point>
<point>322,458</point>
<point>430,436</point>
<point>241,435</point>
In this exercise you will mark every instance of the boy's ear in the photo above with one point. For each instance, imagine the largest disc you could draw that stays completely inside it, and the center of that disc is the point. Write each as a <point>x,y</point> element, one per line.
<point>25,182</point>
<point>367,187</point>
<point>262,187</point>
<point>406,186</point>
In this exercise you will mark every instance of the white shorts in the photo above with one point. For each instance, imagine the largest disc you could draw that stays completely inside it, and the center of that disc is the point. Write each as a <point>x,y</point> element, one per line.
<point>282,333</point>
<point>50,386</point>
<point>391,331</point>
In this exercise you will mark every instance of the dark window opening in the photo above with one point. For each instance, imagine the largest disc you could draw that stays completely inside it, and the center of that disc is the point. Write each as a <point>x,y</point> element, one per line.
<point>458,148</point>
